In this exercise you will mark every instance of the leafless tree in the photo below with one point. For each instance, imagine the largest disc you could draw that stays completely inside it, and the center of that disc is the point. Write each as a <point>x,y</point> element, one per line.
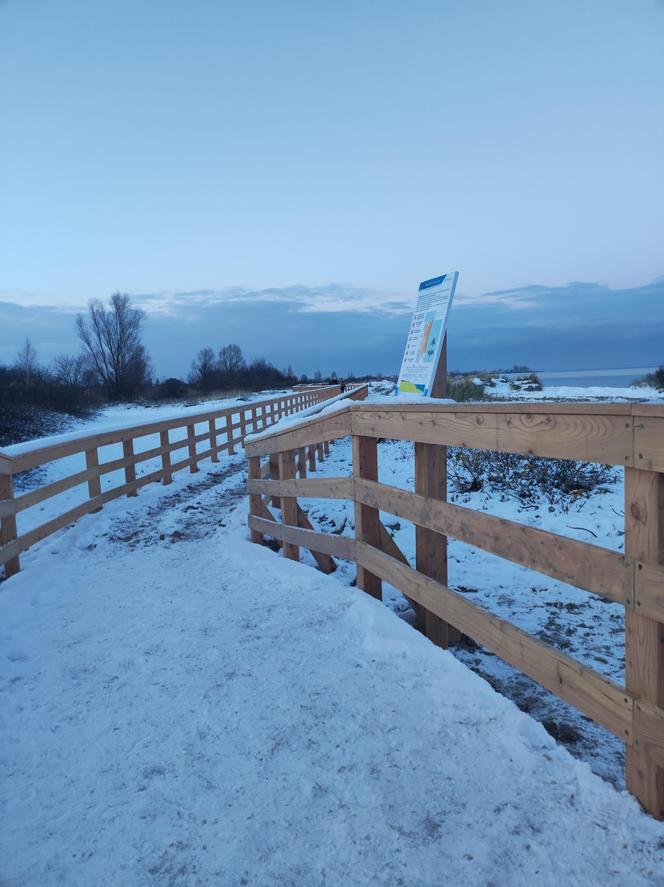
<point>203,369</point>
<point>69,370</point>
<point>26,361</point>
<point>111,340</point>
<point>231,361</point>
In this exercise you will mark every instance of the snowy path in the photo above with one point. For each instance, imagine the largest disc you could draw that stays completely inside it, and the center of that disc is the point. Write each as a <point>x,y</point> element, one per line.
<point>183,708</point>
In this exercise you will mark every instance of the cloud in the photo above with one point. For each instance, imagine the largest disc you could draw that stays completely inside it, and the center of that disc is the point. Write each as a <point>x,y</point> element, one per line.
<point>342,328</point>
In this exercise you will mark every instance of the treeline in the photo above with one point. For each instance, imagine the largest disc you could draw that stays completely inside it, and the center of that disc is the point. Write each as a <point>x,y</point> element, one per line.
<point>113,365</point>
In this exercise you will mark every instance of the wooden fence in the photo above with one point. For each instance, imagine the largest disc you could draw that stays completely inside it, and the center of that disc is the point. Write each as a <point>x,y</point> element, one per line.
<point>615,434</point>
<point>218,434</point>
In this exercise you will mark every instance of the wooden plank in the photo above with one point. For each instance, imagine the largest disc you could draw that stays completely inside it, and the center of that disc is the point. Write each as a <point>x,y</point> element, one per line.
<point>644,637</point>
<point>312,457</point>
<point>648,730</point>
<point>165,457</point>
<point>649,590</point>
<point>309,488</point>
<point>367,521</point>
<point>254,473</point>
<point>302,462</point>
<point>92,468</point>
<point>324,561</point>
<point>130,467</point>
<point>326,447</point>
<point>229,434</point>
<point>273,464</point>
<point>8,507</point>
<point>34,497</point>
<point>336,546</point>
<point>309,431</point>
<point>288,503</point>
<point>582,687</point>
<point>595,438</point>
<point>193,464</point>
<point>320,450</point>
<point>590,567</point>
<point>10,557</point>
<point>212,425</point>
<point>430,545</point>
<point>649,442</point>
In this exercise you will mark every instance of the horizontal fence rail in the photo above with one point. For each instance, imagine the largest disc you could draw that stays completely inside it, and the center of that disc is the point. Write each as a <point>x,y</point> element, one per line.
<point>615,434</point>
<point>193,437</point>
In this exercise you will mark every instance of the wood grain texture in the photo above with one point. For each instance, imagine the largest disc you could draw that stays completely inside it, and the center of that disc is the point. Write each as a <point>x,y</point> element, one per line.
<point>367,521</point>
<point>309,488</point>
<point>337,546</point>
<point>287,469</point>
<point>599,570</point>
<point>9,549</point>
<point>644,637</point>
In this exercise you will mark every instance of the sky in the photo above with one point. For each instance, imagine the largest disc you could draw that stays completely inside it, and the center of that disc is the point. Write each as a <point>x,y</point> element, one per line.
<point>283,174</point>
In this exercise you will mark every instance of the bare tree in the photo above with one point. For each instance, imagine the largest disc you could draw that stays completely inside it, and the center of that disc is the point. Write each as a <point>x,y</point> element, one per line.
<point>111,340</point>
<point>69,370</point>
<point>26,361</point>
<point>231,360</point>
<point>203,369</point>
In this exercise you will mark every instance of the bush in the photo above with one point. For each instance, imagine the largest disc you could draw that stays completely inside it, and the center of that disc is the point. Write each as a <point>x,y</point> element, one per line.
<point>531,382</point>
<point>526,478</point>
<point>464,389</point>
<point>653,380</point>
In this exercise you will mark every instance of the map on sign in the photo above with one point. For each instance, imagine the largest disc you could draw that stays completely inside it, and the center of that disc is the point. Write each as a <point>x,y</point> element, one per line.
<point>426,335</point>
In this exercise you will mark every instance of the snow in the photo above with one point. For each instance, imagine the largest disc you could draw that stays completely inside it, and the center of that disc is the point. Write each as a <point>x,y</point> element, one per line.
<point>183,707</point>
<point>193,709</point>
<point>502,391</point>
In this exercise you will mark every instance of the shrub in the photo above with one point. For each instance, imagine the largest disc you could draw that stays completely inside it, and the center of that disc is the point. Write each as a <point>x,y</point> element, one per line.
<point>463,389</point>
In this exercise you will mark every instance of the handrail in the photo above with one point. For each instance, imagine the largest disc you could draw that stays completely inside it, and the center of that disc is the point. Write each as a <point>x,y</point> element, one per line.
<point>631,435</point>
<point>247,417</point>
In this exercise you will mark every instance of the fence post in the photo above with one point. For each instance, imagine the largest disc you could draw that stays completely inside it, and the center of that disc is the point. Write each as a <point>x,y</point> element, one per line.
<point>312,458</point>
<point>243,424</point>
<point>191,442</point>
<point>254,420</point>
<point>288,503</point>
<point>94,483</point>
<point>8,524</point>
<point>130,470</point>
<point>254,473</point>
<point>302,462</point>
<point>165,456</point>
<point>213,440</point>
<point>273,467</point>
<point>644,637</point>
<point>431,547</point>
<point>229,433</point>
<point>367,523</point>
<point>326,447</point>
<point>321,452</point>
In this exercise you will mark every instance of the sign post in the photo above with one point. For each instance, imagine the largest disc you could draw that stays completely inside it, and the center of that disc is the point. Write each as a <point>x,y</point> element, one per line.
<point>423,370</point>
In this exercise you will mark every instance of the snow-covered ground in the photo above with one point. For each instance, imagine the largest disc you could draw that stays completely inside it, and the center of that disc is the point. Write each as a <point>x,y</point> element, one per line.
<point>502,390</point>
<point>182,707</point>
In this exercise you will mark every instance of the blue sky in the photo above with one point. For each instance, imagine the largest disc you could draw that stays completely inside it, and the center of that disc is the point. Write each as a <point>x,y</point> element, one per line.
<point>332,155</point>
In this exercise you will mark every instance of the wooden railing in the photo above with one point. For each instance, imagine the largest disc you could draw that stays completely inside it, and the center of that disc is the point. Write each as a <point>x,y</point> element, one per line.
<point>627,435</point>
<point>215,430</point>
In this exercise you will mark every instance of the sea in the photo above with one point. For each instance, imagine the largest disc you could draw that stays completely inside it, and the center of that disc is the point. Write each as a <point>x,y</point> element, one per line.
<point>614,378</point>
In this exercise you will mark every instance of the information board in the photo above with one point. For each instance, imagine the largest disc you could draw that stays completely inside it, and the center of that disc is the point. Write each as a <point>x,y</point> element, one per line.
<point>426,335</point>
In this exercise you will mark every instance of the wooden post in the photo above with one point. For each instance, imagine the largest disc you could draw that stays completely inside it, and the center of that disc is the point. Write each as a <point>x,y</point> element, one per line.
<point>130,468</point>
<point>439,387</point>
<point>213,440</point>
<point>254,420</point>
<point>326,447</point>
<point>191,440</point>
<point>243,425</point>
<point>302,462</point>
<point>274,475</point>
<point>8,525</point>
<point>254,473</point>
<point>288,503</point>
<point>229,433</point>
<point>94,483</point>
<point>321,452</point>
<point>312,458</point>
<point>165,456</point>
<point>644,637</point>
<point>431,547</point>
<point>367,523</point>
